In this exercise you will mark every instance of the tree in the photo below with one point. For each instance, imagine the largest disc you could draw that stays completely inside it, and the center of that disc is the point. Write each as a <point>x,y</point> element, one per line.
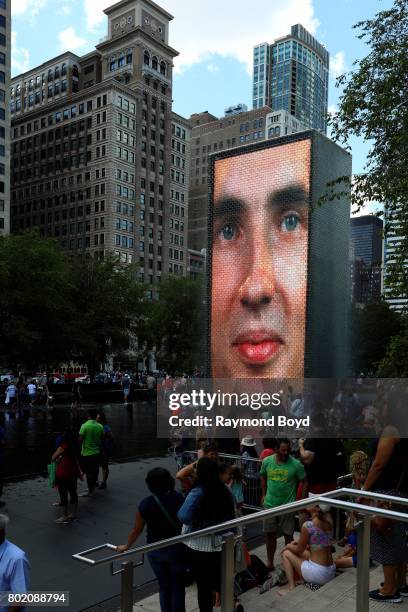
<point>372,328</point>
<point>36,310</point>
<point>177,324</point>
<point>109,304</point>
<point>374,105</point>
<point>395,362</point>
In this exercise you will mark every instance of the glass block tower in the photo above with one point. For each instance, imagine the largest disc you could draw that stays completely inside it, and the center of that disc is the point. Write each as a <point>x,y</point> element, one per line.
<point>292,74</point>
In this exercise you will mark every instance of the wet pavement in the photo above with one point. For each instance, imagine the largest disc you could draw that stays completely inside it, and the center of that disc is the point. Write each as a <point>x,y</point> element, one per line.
<point>108,517</point>
<point>31,434</point>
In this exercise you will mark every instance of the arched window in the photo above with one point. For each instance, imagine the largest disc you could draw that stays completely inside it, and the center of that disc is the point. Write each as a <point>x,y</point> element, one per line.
<point>146,58</point>
<point>50,74</point>
<point>163,68</point>
<point>154,62</point>
<point>121,61</point>
<point>56,72</point>
<point>63,69</point>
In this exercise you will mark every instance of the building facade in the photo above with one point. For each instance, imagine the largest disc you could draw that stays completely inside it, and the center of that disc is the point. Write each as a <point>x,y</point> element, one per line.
<point>91,143</point>
<point>282,123</point>
<point>293,74</point>
<point>366,258</point>
<point>394,236</point>
<point>210,134</point>
<point>179,181</point>
<point>5,53</point>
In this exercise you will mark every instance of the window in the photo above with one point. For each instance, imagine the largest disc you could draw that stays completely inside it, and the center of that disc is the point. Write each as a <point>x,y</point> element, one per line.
<point>154,63</point>
<point>146,58</point>
<point>2,76</point>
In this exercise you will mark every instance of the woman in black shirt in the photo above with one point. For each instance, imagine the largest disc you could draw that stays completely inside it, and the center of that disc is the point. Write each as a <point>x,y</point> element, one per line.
<point>158,512</point>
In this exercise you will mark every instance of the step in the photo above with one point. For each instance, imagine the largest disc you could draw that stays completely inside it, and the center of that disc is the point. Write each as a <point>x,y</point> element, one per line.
<point>339,595</point>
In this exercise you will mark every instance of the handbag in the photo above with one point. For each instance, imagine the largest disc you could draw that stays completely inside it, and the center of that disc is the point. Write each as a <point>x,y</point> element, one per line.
<point>188,577</point>
<point>52,473</point>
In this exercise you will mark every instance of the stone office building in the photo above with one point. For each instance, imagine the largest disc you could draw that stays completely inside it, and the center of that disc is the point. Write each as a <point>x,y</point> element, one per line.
<point>179,182</point>
<point>91,143</point>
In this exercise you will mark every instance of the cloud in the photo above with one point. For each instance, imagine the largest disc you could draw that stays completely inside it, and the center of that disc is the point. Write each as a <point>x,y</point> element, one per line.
<point>66,9</point>
<point>20,57</point>
<point>337,64</point>
<point>212,67</point>
<point>225,28</point>
<point>332,109</point>
<point>95,16</point>
<point>27,7</point>
<point>230,28</point>
<point>69,40</point>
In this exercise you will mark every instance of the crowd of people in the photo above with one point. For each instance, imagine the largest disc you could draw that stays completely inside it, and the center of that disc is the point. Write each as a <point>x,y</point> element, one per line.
<point>213,491</point>
<point>215,487</point>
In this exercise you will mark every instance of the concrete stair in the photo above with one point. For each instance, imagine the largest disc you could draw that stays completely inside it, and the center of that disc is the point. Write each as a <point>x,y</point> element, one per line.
<point>339,595</point>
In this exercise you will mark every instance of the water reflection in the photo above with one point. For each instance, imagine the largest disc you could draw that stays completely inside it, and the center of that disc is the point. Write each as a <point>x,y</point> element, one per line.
<point>31,434</point>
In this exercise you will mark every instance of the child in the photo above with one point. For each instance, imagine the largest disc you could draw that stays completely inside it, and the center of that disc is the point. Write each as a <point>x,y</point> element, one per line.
<point>349,556</point>
<point>225,473</point>
<point>237,488</point>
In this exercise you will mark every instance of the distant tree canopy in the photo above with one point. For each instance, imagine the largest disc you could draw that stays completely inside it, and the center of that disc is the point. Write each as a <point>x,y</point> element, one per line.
<point>54,308</point>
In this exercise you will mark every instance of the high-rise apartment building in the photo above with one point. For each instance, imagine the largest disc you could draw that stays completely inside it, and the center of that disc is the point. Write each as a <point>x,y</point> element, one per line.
<point>179,180</point>
<point>292,74</point>
<point>210,134</point>
<point>366,258</point>
<point>91,143</point>
<point>5,51</point>
<point>394,236</point>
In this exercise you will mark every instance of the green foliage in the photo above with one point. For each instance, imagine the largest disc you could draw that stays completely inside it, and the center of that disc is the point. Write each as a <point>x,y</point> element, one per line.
<point>109,302</point>
<point>177,324</point>
<point>54,308</point>
<point>36,311</point>
<point>374,106</point>
<point>395,362</point>
<point>372,328</point>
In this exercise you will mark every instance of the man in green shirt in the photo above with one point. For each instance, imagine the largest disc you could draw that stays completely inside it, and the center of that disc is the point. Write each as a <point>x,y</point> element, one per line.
<point>280,477</point>
<point>90,436</point>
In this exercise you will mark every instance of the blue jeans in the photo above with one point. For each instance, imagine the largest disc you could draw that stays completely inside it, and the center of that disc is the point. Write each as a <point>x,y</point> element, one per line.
<point>169,567</point>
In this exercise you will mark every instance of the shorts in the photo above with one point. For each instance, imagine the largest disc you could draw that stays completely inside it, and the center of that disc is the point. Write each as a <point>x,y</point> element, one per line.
<point>126,391</point>
<point>316,573</point>
<point>281,525</point>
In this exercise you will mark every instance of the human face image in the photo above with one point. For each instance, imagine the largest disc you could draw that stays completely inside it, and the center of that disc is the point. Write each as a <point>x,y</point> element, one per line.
<point>259,262</point>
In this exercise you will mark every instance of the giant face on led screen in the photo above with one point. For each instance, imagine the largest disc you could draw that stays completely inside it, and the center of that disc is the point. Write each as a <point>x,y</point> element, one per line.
<point>259,241</point>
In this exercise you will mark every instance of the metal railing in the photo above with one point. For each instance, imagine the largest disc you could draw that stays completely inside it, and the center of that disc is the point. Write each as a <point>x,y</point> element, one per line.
<point>250,467</point>
<point>227,556</point>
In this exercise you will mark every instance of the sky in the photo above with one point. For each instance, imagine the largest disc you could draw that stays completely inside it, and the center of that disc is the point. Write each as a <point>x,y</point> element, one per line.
<point>214,38</point>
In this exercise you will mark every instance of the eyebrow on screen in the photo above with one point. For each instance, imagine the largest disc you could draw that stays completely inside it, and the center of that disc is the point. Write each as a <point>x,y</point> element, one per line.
<point>293,195</point>
<point>228,206</point>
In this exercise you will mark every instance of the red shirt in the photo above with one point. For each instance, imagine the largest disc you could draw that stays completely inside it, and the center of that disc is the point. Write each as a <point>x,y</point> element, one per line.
<point>267,452</point>
<point>67,466</point>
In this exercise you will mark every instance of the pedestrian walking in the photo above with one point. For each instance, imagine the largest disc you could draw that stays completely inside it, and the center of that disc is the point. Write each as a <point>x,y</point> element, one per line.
<point>90,437</point>
<point>67,473</point>
<point>106,448</point>
<point>11,394</point>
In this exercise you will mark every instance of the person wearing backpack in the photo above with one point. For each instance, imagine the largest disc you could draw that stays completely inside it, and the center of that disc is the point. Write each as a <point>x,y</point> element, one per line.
<point>158,513</point>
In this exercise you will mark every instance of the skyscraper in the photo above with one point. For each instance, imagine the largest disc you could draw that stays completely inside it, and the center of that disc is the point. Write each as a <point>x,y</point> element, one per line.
<point>92,143</point>
<point>5,46</point>
<point>292,74</point>
<point>366,252</point>
<point>394,236</point>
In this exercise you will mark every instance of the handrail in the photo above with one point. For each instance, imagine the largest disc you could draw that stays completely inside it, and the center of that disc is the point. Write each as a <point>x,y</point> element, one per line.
<point>256,517</point>
<point>228,526</point>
